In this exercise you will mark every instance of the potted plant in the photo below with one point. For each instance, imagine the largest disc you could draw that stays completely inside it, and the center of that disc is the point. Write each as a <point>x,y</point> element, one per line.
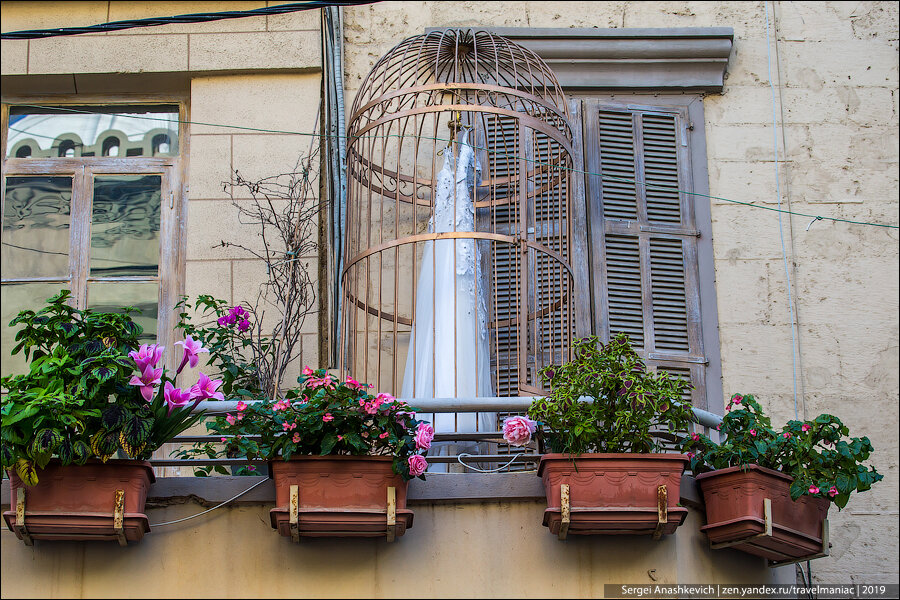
<point>91,392</point>
<point>607,470</point>
<point>768,492</point>
<point>341,457</point>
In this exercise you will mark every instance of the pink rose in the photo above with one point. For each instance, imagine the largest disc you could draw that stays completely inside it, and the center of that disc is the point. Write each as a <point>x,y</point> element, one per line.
<point>424,435</point>
<point>813,489</point>
<point>517,430</point>
<point>417,465</point>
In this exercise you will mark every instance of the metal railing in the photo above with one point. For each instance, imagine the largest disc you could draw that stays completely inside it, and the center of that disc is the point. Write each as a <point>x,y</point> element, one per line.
<point>515,404</point>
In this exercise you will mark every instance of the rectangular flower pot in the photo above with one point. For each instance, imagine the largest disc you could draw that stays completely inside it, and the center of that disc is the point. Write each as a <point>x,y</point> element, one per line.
<point>613,493</point>
<point>75,502</point>
<point>339,496</point>
<point>735,514</point>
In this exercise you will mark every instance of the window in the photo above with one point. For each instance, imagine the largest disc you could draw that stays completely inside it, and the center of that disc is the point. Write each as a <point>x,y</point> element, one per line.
<point>89,204</point>
<point>649,234</point>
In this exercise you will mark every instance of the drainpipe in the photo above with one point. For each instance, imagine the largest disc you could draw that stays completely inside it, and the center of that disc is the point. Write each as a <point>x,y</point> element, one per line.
<point>335,161</point>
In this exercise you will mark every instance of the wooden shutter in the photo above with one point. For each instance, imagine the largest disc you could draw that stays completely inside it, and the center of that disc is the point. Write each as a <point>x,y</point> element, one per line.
<point>644,238</point>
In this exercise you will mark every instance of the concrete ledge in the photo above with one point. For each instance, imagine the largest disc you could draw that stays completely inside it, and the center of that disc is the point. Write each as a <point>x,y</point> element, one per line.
<point>441,488</point>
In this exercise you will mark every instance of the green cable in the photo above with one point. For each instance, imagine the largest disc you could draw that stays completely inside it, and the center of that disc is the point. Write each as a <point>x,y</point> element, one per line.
<point>508,155</point>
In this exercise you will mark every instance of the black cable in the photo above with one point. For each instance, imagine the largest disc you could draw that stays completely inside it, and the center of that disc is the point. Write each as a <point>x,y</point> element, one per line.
<point>191,18</point>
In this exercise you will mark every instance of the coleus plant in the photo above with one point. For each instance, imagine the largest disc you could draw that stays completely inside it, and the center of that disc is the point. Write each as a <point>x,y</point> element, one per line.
<point>81,398</point>
<point>817,454</point>
<point>631,405</point>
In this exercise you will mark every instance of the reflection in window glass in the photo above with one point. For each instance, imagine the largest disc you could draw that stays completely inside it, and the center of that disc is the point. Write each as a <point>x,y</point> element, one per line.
<point>112,296</point>
<point>125,226</point>
<point>36,227</point>
<point>17,297</point>
<point>53,132</point>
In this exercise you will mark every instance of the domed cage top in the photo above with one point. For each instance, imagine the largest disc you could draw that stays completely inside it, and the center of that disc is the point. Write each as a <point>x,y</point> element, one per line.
<point>457,277</point>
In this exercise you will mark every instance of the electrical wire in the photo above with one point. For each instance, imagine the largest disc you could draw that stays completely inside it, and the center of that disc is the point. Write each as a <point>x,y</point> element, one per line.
<point>189,18</point>
<point>499,154</point>
<point>459,458</point>
<point>213,508</point>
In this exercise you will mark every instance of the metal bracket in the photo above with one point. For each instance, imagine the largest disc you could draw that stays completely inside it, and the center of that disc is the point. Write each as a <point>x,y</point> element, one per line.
<point>20,517</point>
<point>295,513</point>
<point>119,517</point>
<point>767,515</point>
<point>565,511</point>
<point>391,513</point>
<point>662,510</point>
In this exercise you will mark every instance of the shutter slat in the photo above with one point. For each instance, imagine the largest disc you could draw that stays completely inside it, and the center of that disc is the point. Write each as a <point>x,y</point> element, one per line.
<point>660,151</point>
<point>670,324</point>
<point>623,266</point>
<point>617,164</point>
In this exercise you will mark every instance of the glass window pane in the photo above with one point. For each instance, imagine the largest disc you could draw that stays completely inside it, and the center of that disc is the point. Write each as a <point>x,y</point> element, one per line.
<point>16,297</point>
<point>73,131</point>
<point>125,225</point>
<point>36,227</point>
<point>112,296</point>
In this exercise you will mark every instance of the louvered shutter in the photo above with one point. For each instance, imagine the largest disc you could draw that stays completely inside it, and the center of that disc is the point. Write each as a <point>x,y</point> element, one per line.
<point>646,237</point>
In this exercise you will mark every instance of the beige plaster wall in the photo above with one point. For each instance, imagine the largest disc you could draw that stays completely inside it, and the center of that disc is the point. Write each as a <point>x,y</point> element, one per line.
<point>836,83</point>
<point>484,550</point>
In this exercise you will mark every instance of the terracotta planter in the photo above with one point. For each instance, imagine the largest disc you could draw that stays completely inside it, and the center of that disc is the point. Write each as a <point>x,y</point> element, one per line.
<point>614,493</point>
<point>78,502</point>
<point>735,500</point>
<point>339,496</point>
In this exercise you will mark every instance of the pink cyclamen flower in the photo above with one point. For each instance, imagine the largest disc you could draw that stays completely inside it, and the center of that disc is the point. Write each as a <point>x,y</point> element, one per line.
<point>176,397</point>
<point>148,381</point>
<point>147,354</point>
<point>517,430</point>
<point>787,435</point>
<point>813,489</point>
<point>424,435</point>
<point>753,432</point>
<point>806,427</point>
<point>327,417</point>
<point>833,492</point>
<point>206,388</point>
<point>192,348</point>
<point>695,437</point>
<point>417,465</point>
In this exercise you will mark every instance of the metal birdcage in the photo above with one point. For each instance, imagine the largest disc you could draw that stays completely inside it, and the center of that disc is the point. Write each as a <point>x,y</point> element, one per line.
<point>457,277</point>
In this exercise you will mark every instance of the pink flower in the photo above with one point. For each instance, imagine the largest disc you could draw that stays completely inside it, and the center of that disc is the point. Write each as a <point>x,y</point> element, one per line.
<point>813,489</point>
<point>737,398</point>
<point>326,382</point>
<point>381,436</point>
<point>695,437</point>
<point>786,435</point>
<point>223,321</point>
<point>340,438</point>
<point>327,417</point>
<point>307,371</point>
<point>206,388</point>
<point>230,419</point>
<point>288,426</point>
<point>191,349</point>
<point>281,405</point>
<point>753,432</point>
<point>383,398</point>
<point>353,384</point>
<point>833,492</point>
<point>243,325</point>
<point>241,405</point>
<point>517,430</point>
<point>806,427</point>
<point>149,378</point>
<point>417,465</point>
<point>176,397</point>
<point>424,435</point>
<point>296,438</point>
<point>224,440</point>
<point>147,355</point>
<point>691,455</point>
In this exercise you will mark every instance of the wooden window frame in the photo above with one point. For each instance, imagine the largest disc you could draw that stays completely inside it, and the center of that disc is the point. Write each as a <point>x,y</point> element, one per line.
<point>173,210</point>
<point>704,360</point>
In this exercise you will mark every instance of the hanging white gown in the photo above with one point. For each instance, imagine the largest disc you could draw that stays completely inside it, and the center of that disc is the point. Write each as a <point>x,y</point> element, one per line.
<point>448,354</point>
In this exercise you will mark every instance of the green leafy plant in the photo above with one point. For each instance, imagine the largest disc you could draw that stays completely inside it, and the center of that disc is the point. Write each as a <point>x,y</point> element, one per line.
<point>327,416</point>
<point>815,453</point>
<point>80,398</point>
<point>630,405</point>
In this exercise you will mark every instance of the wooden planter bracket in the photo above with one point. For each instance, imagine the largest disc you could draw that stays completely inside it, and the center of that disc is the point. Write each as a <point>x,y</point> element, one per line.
<point>19,527</point>
<point>767,513</point>
<point>565,510</point>
<point>390,513</point>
